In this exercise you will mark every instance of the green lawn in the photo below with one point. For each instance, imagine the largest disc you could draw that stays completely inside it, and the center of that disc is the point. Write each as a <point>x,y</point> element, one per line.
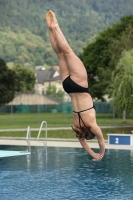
<point>34,120</point>
<point>23,120</point>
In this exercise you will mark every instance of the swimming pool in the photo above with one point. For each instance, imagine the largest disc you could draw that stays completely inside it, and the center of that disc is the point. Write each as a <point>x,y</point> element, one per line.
<point>66,174</point>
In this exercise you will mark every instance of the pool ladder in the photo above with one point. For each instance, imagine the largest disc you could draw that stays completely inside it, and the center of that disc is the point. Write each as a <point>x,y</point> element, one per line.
<point>43,122</point>
<point>28,135</point>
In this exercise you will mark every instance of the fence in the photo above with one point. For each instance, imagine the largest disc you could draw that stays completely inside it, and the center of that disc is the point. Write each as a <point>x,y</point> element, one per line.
<point>30,102</point>
<point>61,107</point>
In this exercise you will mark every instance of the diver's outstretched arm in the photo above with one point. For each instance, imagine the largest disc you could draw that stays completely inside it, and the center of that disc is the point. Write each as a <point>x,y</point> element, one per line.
<point>96,156</point>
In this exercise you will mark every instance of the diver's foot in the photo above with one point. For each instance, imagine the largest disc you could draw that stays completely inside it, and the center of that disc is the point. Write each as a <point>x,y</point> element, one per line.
<point>48,19</point>
<point>53,19</point>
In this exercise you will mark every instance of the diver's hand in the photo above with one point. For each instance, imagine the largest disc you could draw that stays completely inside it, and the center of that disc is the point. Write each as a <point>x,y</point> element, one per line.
<point>97,157</point>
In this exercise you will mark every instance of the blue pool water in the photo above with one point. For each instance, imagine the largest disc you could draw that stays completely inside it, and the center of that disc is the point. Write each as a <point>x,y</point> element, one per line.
<point>66,174</point>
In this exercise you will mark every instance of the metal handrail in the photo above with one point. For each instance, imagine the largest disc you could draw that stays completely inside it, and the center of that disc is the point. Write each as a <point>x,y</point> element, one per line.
<point>43,122</point>
<point>28,137</point>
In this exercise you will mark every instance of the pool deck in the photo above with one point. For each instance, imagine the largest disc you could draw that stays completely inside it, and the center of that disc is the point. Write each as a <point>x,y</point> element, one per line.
<point>57,142</point>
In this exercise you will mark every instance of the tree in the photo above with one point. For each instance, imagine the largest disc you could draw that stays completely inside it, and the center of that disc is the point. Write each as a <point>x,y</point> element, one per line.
<point>7,83</point>
<point>52,92</point>
<point>25,78</point>
<point>23,28</point>
<point>117,45</point>
<point>97,56</point>
<point>121,86</point>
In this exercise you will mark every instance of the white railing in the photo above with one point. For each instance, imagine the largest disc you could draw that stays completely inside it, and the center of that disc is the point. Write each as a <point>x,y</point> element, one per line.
<point>28,137</point>
<point>45,143</point>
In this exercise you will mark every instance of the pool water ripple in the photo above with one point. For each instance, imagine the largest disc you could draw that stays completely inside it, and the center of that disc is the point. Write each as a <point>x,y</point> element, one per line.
<point>66,174</point>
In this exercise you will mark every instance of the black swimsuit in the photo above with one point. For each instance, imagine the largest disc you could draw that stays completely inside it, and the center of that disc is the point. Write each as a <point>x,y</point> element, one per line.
<point>71,87</point>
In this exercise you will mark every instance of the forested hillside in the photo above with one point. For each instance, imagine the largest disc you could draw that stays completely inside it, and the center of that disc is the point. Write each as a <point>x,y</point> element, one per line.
<point>24,35</point>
